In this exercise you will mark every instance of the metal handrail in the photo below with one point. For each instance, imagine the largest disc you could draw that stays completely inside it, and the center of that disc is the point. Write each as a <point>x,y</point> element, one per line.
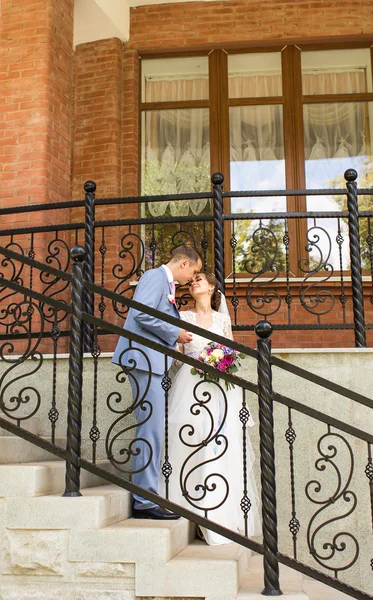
<point>263,390</point>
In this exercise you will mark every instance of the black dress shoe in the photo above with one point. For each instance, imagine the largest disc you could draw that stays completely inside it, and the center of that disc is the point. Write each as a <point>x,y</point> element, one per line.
<point>157,512</point>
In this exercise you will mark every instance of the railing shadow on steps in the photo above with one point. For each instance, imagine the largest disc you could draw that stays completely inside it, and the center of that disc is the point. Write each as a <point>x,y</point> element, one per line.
<point>335,428</point>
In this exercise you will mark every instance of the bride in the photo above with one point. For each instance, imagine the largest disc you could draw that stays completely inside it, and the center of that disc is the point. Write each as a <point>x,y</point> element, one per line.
<point>205,445</point>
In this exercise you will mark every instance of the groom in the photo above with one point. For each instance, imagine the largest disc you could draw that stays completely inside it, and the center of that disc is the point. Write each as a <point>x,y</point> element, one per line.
<point>145,367</point>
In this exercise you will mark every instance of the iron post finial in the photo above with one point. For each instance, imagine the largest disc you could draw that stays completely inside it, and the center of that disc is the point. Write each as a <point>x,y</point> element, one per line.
<point>350,175</point>
<point>90,187</point>
<point>263,329</point>
<point>217,178</point>
<point>78,254</point>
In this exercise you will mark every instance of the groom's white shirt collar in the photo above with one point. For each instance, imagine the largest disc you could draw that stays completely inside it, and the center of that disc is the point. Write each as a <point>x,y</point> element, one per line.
<point>170,277</point>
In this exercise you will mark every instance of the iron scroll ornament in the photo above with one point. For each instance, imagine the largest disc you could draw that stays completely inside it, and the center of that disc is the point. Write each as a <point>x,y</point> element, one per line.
<point>212,437</point>
<point>12,272</point>
<point>341,494</point>
<point>132,254</point>
<point>58,257</point>
<point>265,245</point>
<point>118,450</point>
<point>22,404</point>
<point>315,300</point>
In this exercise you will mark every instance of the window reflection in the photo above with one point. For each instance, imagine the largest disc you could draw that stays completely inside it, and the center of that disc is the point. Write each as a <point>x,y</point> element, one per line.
<point>337,137</point>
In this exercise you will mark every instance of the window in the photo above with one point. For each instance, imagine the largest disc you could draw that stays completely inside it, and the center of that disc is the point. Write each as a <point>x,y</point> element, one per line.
<point>175,148</point>
<point>288,118</point>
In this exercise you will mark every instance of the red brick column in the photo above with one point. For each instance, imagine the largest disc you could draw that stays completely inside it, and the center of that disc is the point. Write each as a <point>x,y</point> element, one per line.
<point>97,118</point>
<point>35,102</point>
<point>130,131</point>
<point>35,128</point>
<point>99,148</point>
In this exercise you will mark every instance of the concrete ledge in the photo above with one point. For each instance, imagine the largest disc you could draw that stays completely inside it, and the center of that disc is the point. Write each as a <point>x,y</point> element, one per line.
<point>131,541</point>
<point>97,507</point>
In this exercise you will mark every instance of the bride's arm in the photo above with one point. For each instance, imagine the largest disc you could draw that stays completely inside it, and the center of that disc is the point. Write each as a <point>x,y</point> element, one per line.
<point>179,348</point>
<point>227,327</point>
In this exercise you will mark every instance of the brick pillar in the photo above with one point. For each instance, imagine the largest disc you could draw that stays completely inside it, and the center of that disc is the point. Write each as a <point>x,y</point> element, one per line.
<point>98,115</point>
<point>98,147</point>
<point>36,59</point>
<point>130,129</point>
<point>35,103</point>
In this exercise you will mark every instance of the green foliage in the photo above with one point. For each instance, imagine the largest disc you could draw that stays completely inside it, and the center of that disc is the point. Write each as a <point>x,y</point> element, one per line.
<point>260,247</point>
<point>365,180</point>
<point>169,179</point>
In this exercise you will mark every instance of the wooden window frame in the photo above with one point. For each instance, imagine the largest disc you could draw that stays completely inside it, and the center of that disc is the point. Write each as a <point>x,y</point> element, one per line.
<point>292,101</point>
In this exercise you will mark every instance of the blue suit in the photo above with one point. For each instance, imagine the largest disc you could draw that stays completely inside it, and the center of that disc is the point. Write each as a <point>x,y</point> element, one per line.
<point>146,368</point>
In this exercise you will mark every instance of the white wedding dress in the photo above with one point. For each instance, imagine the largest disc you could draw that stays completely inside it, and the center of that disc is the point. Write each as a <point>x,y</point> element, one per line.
<point>205,444</point>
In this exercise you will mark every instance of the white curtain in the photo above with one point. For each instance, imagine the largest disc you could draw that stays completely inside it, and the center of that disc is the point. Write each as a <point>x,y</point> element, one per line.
<point>176,149</point>
<point>176,157</point>
<point>334,130</point>
<point>255,131</point>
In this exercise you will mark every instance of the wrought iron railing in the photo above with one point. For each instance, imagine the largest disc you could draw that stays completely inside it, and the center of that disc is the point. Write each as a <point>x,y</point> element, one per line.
<point>320,279</point>
<point>326,535</point>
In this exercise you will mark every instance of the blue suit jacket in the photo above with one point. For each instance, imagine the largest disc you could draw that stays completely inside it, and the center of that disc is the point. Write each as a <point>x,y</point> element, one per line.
<point>151,290</point>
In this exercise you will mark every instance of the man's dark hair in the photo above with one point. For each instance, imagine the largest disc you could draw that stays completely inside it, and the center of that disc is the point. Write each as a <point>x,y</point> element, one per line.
<point>185,252</point>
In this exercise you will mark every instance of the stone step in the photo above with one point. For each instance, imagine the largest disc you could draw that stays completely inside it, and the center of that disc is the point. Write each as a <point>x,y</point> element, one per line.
<point>43,478</point>
<point>101,541</point>
<point>131,540</point>
<point>210,572</point>
<point>97,507</point>
<point>318,591</point>
<point>16,450</point>
<point>170,563</point>
<point>253,583</point>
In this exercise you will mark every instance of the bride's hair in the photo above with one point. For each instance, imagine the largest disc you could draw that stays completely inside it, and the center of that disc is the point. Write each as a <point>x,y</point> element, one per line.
<point>215,296</point>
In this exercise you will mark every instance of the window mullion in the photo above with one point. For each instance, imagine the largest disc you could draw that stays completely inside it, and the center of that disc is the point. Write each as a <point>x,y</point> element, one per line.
<point>294,149</point>
<point>219,132</point>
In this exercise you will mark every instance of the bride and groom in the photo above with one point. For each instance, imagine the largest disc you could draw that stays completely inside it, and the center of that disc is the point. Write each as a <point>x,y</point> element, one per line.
<point>205,434</point>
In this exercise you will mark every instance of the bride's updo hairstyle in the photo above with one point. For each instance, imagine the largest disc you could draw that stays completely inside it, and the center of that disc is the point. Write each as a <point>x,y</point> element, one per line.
<point>215,296</point>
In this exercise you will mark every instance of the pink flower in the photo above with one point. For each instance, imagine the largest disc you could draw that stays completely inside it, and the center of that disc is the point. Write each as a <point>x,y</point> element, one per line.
<point>228,360</point>
<point>221,366</point>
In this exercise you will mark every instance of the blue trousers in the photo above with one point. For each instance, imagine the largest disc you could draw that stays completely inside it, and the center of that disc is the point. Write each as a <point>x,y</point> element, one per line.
<point>149,433</point>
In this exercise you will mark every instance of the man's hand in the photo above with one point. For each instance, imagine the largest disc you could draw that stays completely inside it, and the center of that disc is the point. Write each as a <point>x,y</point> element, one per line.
<point>184,337</point>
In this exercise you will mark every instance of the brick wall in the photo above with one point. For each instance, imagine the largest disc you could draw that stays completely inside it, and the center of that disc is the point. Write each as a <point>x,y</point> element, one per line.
<point>97,117</point>
<point>35,101</point>
<point>205,23</point>
<point>106,142</point>
<point>35,122</point>
<point>58,107</point>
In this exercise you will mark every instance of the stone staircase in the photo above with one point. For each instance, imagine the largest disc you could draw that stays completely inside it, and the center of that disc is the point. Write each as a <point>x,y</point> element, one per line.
<point>56,548</point>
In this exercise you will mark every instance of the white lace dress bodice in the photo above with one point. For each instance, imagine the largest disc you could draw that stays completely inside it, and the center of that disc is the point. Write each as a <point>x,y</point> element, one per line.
<point>221,325</point>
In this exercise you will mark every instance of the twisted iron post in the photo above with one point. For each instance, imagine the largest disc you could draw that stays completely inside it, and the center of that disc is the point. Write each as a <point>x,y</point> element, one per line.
<point>89,272</point>
<point>74,416</point>
<point>355,258</point>
<point>218,180</point>
<point>263,329</point>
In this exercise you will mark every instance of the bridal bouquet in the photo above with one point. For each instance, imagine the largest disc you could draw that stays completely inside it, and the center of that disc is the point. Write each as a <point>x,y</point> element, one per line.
<point>222,358</point>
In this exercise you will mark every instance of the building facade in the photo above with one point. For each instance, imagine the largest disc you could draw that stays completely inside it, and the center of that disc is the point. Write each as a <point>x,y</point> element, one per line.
<point>273,94</point>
